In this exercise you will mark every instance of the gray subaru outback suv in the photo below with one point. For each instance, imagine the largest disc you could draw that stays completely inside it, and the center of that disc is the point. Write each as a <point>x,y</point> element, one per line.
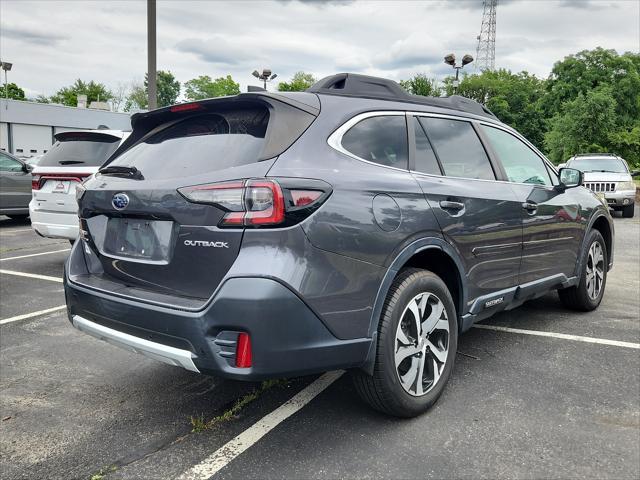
<point>351,226</point>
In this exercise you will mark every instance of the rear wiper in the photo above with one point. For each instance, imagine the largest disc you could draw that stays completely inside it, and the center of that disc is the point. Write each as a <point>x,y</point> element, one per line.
<point>121,171</point>
<point>70,162</point>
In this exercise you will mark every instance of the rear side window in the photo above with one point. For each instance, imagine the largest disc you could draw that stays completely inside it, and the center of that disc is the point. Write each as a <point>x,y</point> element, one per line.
<point>520,163</point>
<point>458,148</point>
<point>200,143</point>
<point>380,140</point>
<point>83,150</point>
<point>426,161</point>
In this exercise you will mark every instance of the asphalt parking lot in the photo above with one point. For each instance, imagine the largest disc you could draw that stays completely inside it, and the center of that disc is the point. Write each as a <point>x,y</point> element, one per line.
<point>519,405</point>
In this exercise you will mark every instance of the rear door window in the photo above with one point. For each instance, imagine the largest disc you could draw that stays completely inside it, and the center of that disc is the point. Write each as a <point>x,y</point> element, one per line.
<point>381,139</point>
<point>458,148</point>
<point>520,163</point>
<point>200,144</point>
<point>82,149</point>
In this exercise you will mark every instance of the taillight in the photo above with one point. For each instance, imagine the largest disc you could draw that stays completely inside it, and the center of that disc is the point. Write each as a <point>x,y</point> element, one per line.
<point>243,351</point>
<point>247,202</point>
<point>35,182</point>
<point>38,179</point>
<point>261,202</point>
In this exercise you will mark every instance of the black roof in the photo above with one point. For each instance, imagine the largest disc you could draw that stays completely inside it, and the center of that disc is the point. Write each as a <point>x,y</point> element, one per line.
<point>364,86</point>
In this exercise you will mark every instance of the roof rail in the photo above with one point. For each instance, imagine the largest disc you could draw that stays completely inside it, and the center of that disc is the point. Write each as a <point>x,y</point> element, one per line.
<point>364,86</point>
<point>599,154</point>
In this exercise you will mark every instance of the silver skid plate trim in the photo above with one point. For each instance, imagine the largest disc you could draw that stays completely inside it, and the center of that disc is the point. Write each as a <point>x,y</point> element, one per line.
<point>157,351</point>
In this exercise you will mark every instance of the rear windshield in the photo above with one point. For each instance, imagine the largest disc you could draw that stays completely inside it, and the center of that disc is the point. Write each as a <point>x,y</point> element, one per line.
<point>598,165</point>
<point>81,151</point>
<point>201,143</point>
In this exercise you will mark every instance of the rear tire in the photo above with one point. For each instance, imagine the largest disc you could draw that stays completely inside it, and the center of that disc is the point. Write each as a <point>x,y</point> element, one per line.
<point>414,359</point>
<point>628,211</point>
<point>587,295</point>
<point>72,242</point>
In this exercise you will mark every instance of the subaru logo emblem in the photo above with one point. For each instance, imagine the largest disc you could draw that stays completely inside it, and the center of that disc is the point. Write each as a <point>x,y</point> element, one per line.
<point>120,201</point>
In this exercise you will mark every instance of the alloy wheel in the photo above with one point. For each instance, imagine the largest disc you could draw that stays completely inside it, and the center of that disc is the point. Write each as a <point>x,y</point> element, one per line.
<point>595,270</point>
<point>421,344</point>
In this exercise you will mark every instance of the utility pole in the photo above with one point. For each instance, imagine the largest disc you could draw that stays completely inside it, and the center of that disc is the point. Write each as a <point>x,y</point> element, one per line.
<point>152,87</point>
<point>486,51</point>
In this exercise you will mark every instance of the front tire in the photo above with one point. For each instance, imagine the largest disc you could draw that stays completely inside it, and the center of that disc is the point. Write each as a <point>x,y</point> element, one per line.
<point>587,295</point>
<point>417,343</point>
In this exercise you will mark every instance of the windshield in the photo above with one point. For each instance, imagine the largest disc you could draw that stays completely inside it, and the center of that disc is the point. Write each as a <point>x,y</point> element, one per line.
<point>598,165</point>
<point>88,152</point>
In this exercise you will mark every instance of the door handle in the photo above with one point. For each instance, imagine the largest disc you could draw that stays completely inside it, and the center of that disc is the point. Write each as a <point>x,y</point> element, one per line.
<point>448,205</point>
<point>530,207</point>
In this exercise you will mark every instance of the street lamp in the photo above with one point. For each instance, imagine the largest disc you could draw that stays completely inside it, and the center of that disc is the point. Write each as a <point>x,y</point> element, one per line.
<point>451,60</point>
<point>265,76</point>
<point>6,66</point>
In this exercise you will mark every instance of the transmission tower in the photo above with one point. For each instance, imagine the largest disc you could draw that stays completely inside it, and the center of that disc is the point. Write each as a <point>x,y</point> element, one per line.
<point>486,51</point>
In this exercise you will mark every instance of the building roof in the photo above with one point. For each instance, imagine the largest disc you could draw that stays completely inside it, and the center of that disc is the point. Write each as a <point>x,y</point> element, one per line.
<point>33,113</point>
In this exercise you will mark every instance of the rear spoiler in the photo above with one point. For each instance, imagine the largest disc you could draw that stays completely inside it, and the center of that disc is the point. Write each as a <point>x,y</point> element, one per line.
<point>285,109</point>
<point>86,136</point>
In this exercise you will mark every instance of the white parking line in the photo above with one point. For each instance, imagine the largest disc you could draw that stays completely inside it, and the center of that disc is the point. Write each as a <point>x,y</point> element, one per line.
<point>34,254</point>
<point>4,232</point>
<point>225,454</point>
<point>30,315</point>
<point>32,275</point>
<point>564,336</point>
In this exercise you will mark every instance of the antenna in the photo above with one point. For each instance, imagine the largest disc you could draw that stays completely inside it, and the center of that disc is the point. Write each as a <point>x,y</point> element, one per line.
<point>486,51</point>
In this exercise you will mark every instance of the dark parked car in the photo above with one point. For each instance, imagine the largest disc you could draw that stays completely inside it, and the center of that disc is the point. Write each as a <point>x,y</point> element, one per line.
<point>350,226</point>
<point>15,186</point>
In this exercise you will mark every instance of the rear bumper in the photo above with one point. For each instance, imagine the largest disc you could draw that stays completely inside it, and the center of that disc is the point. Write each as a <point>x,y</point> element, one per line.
<point>54,224</point>
<point>287,338</point>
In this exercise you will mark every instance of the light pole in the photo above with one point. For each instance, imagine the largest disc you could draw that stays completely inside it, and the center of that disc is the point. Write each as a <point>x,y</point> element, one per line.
<point>6,66</point>
<point>451,60</point>
<point>152,89</point>
<point>264,76</point>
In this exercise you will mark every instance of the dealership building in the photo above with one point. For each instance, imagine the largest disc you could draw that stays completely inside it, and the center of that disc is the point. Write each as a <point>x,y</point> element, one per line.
<point>28,128</point>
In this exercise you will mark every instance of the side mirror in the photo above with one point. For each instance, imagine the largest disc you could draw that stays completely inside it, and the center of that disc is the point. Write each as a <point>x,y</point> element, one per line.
<point>26,168</point>
<point>570,177</point>
<point>636,173</point>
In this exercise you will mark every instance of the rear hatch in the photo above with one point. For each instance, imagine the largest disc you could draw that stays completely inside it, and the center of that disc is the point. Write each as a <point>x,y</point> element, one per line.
<point>145,236</point>
<point>73,158</point>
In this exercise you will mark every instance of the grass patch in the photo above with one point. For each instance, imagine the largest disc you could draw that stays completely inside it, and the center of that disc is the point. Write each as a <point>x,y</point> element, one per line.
<point>199,424</point>
<point>99,475</point>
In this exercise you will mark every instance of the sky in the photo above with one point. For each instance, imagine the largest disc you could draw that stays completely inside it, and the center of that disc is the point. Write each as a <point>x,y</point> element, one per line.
<point>51,43</point>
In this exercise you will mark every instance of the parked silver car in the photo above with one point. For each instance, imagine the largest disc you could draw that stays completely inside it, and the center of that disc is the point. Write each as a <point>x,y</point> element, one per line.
<point>609,177</point>
<point>15,186</point>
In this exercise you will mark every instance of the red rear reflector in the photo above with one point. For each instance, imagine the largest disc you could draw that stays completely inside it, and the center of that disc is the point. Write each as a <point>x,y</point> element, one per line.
<point>302,198</point>
<point>35,182</point>
<point>185,107</point>
<point>243,351</point>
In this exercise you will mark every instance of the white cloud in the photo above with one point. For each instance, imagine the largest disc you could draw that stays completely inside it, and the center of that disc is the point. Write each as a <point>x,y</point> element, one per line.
<point>51,43</point>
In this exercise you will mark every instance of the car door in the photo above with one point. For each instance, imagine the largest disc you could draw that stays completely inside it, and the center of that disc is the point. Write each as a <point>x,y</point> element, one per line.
<point>552,227</point>
<point>15,183</point>
<point>477,214</point>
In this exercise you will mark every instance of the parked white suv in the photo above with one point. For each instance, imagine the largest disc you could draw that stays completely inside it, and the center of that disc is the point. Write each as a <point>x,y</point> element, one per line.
<point>609,177</point>
<point>74,157</point>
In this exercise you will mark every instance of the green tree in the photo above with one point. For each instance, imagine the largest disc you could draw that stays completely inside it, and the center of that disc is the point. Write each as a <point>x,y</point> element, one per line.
<point>587,124</point>
<point>299,83</point>
<point>168,88</point>
<point>137,98</point>
<point>515,98</point>
<point>203,87</point>
<point>12,91</point>
<point>95,92</point>
<point>591,69</point>
<point>420,84</point>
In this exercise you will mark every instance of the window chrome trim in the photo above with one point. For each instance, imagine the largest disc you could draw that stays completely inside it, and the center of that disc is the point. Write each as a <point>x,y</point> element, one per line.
<point>335,141</point>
